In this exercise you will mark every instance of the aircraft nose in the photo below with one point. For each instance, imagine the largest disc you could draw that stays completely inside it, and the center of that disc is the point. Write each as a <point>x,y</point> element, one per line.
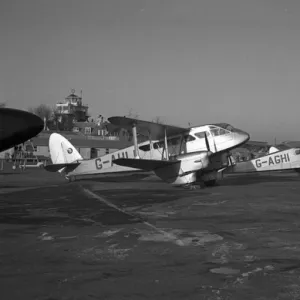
<point>17,126</point>
<point>241,136</point>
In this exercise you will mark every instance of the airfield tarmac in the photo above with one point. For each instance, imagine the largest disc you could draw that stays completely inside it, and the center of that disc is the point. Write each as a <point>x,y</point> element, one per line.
<point>139,238</point>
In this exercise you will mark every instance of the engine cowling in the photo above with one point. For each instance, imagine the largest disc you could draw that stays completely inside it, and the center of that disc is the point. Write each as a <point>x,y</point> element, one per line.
<point>185,171</point>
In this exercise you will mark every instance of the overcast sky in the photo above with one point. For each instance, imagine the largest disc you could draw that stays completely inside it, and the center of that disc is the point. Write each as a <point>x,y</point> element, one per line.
<point>197,61</point>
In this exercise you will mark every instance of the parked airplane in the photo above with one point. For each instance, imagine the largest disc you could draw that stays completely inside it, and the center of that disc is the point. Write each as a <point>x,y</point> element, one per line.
<point>276,161</point>
<point>17,126</point>
<point>184,156</point>
<point>280,148</point>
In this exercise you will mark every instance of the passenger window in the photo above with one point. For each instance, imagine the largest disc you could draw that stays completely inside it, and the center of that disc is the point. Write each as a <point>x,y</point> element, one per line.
<point>201,135</point>
<point>189,138</point>
<point>145,148</point>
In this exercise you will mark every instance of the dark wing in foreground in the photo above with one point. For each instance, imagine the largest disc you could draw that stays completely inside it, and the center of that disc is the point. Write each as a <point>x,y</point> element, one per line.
<point>146,128</point>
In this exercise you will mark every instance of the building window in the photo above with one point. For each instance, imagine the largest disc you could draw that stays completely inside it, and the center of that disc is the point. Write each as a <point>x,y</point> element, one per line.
<point>87,130</point>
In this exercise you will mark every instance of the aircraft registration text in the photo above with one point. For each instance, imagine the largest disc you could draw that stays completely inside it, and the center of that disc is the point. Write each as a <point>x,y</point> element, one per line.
<point>109,158</point>
<point>272,160</point>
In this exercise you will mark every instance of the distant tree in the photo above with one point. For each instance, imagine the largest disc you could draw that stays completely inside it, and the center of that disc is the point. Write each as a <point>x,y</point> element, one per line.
<point>2,104</point>
<point>158,120</point>
<point>43,111</point>
<point>132,114</point>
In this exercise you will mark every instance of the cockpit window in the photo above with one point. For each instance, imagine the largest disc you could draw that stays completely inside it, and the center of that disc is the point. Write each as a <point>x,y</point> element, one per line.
<point>224,126</point>
<point>216,131</point>
<point>201,135</point>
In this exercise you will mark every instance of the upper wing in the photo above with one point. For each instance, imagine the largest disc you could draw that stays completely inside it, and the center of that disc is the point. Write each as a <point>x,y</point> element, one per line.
<point>144,164</point>
<point>157,131</point>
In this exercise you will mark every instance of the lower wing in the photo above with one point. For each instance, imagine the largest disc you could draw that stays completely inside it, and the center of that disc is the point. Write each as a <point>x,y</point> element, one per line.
<point>144,164</point>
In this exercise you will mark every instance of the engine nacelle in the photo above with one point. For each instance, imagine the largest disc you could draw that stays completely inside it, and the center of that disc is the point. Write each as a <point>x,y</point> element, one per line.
<point>184,172</point>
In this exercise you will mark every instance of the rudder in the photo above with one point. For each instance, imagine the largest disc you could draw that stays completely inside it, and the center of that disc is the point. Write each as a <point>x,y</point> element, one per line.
<point>62,151</point>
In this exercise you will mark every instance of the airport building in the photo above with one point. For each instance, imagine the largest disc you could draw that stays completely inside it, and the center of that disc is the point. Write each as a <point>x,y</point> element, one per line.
<point>73,108</point>
<point>72,120</point>
<point>87,146</point>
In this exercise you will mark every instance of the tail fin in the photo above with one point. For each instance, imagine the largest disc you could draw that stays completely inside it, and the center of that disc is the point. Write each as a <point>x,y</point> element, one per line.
<point>273,149</point>
<point>62,151</point>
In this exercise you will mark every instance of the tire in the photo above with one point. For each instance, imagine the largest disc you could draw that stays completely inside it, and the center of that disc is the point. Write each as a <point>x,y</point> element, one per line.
<point>210,182</point>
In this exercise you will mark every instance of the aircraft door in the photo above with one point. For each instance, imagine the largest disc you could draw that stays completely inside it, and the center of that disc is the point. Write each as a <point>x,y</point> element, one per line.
<point>193,144</point>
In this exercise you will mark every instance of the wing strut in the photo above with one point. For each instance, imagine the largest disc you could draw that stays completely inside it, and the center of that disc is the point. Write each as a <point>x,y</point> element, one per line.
<point>151,144</point>
<point>166,145</point>
<point>134,134</point>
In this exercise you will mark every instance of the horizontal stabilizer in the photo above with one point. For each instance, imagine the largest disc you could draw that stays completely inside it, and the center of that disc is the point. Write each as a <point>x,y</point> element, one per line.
<point>57,167</point>
<point>144,164</point>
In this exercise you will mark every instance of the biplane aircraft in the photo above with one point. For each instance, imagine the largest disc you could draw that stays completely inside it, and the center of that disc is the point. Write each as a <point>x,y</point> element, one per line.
<point>179,156</point>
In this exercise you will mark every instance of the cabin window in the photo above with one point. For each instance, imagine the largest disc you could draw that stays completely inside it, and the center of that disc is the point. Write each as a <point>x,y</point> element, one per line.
<point>145,148</point>
<point>189,138</point>
<point>106,151</point>
<point>201,135</point>
<point>173,142</point>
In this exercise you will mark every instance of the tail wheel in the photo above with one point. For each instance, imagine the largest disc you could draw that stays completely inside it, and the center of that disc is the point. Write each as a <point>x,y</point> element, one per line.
<point>70,178</point>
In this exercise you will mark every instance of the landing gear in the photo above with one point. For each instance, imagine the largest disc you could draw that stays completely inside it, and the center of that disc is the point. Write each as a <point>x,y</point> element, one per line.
<point>212,182</point>
<point>209,179</point>
<point>192,187</point>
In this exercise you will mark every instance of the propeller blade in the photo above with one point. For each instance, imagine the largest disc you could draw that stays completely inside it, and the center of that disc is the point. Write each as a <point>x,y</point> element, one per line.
<point>206,142</point>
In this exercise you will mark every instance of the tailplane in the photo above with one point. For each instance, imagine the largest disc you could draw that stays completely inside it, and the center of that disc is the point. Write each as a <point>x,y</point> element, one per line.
<point>62,167</point>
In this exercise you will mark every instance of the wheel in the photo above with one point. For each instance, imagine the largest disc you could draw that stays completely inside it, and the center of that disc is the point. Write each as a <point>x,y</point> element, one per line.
<point>210,182</point>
